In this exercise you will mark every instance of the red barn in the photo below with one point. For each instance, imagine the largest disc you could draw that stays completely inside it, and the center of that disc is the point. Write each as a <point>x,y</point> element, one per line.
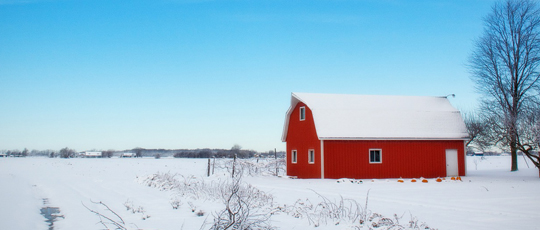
<point>366,136</point>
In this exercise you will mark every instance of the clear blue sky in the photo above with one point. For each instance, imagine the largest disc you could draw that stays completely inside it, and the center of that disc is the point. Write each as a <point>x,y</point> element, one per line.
<point>96,74</point>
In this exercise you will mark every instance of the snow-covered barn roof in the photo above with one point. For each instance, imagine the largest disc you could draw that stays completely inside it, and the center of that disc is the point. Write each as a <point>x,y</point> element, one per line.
<point>373,117</point>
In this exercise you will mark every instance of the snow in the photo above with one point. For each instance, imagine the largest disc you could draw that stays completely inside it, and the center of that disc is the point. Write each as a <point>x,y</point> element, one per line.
<point>490,197</point>
<point>344,116</point>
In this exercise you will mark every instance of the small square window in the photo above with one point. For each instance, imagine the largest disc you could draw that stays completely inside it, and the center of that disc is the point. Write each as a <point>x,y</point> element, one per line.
<point>302,113</point>
<point>375,156</point>
<point>311,156</point>
<point>293,156</point>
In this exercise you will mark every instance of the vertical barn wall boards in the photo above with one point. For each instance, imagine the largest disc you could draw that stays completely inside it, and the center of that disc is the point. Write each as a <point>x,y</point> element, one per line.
<point>368,136</point>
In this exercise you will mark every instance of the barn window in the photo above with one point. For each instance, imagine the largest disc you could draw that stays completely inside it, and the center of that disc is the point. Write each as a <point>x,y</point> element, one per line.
<point>302,113</point>
<point>311,156</point>
<point>293,156</point>
<point>375,156</point>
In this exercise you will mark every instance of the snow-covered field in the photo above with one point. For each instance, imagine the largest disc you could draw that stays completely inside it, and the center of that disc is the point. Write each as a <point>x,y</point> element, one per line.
<point>489,197</point>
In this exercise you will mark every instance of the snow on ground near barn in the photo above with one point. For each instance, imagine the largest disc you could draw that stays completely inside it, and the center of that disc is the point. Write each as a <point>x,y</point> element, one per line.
<point>490,197</point>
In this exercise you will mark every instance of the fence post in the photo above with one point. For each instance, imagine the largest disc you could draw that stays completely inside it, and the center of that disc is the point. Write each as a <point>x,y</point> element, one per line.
<point>208,174</point>
<point>275,157</point>
<point>233,166</point>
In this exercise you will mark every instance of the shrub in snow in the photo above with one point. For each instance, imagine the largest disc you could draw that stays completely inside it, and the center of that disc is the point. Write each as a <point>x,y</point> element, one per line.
<point>414,223</point>
<point>244,207</point>
<point>162,181</point>
<point>192,206</point>
<point>346,212</point>
<point>328,211</point>
<point>136,209</point>
<point>175,202</point>
<point>191,187</point>
<point>200,213</point>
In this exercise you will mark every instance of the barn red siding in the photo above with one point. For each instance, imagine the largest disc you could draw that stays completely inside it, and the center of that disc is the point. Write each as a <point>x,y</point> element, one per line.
<point>302,136</point>
<point>407,159</point>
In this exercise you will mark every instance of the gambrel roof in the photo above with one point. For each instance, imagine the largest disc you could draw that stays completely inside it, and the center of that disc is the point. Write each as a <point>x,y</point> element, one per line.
<point>373,117</point>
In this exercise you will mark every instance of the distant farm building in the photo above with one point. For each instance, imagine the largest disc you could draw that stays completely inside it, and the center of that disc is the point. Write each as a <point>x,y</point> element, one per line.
<point>365,136</point>
<point>90,154</point>
<point>127,155</point>
<point>3,155</point>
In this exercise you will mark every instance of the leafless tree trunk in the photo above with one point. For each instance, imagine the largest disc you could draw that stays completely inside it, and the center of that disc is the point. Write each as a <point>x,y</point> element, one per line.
<point>505,66</point>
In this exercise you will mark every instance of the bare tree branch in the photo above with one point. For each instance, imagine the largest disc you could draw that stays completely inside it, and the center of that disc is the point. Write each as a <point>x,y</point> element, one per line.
<point>118,224</point>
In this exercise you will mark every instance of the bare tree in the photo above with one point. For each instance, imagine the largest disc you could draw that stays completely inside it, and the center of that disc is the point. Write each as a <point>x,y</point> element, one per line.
<point>138,151</point>
<point>107,154</point>
<point>24,153</point>
<point>236,149</point>
<point>478,129</point>
<point>67,152</point>
<point>505,64</point>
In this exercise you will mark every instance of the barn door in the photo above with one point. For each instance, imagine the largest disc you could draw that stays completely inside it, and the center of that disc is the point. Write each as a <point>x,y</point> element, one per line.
<point>451,162</point>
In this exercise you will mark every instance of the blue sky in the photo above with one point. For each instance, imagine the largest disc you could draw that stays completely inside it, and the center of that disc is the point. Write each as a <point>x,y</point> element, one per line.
<point>96,74</point>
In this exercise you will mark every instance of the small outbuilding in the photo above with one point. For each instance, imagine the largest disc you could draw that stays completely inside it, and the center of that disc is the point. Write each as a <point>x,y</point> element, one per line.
<point>91,154</point>
<point>368,136</point>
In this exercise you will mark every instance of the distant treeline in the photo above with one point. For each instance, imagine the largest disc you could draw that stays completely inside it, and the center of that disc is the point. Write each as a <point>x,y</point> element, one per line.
<point>204,153</point>
<point>219,153</point>
<point>142,152</point>
<point>25,152</point>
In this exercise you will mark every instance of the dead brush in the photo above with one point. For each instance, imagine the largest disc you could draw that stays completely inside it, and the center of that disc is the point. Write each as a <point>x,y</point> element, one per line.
<point>347,212</point>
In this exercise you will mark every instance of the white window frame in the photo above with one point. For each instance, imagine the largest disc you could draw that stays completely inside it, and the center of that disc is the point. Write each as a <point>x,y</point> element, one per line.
<point>294,156</point>
<point>311,157</point>
<point>380,156</point>
<point>302,113</point>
